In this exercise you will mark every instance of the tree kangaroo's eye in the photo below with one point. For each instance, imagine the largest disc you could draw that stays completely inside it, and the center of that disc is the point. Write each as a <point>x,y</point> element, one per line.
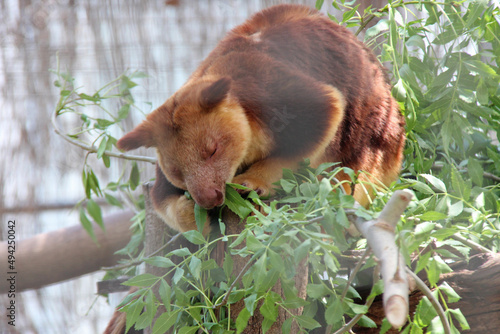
<point>210,151</point>
<point>213,151</point>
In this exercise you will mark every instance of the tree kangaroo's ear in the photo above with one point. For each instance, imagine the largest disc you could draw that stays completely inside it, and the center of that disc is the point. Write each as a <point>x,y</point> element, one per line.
<point>142,135</point>
<point>212,95</point>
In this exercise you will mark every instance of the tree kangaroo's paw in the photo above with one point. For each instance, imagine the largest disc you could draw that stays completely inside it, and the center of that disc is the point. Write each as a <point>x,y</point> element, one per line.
<point>260,185</point>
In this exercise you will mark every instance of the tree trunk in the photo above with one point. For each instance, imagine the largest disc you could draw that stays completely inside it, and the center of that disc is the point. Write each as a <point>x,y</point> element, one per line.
<point>234,226</point>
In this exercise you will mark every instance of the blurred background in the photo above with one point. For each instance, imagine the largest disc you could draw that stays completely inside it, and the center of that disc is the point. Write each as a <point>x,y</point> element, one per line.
<point>40,174</point>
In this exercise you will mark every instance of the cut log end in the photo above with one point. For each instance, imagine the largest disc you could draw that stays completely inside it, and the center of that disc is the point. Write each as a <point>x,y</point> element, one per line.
<point>404,195</point>
<point>396,311</point>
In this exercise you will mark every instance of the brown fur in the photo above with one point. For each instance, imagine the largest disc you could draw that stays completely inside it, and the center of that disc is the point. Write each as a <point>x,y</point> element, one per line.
<point>287,84</point>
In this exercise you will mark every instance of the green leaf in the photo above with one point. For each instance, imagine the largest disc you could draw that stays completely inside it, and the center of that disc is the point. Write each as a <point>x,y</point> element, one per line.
<point>476,171</point>
<point>165,293</point>
<point>425,312</point>
<point>423,260</point>
<point>307,322</point>
<point>134,176</point>
<point>87,225</point>
<point>236,203</point>
<point>95,212</point>
<point>346,16</point>
<point>457,314</point>
<point>250,303</point>
<point>194,237</point>
<point>459,185</point>
<point>334,312</point>
<point>160,261</point>
<point>319,4</point>
<point>342,218</point>
<point>260,272</point>
<point>381,26</point>
<point>287,185</point>
<point>200,216</point>
<point>287,326</point>
<point>142,280</point>
<point>113,200</point>
<point>179,273</point>
<point>456,209</point>
<point>316,291</point>
<point>421,187</point>
<point>228,265</point>
<point>150,308</point>
<point>103,123</point>
<point>133,312</point>
<point>366,322</point>
<point>435,182</point>
<point>253,244</point>
<point>89,98</point>
<point>302,251</point>
<point>164,322</point>
<point>181,251</point>
<point>356,308</point>
<point>102,147</point>
<point>269,308</point>
<point>195,267</point>
<point>432,216</point>
<point>124,111</point>
<point>188,330</point>
<point>480,67</point>
<point>453,297</point>
<point>242,320</point>
<point>424,228</point>
<point>308,189</point>
<point>294,302</point>
<point>276,261</point>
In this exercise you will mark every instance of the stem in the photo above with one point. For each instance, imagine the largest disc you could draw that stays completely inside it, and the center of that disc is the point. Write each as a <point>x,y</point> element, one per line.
<point>369,301</point>
<point>354,272</point>
<point>137,262</point>
<point>226,297</point>
<point>93,149</point>
<point>428,293</point>
<point>471,244</point>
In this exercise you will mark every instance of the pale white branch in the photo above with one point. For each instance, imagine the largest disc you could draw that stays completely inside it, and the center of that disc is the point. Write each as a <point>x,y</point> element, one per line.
<point>380,236</point>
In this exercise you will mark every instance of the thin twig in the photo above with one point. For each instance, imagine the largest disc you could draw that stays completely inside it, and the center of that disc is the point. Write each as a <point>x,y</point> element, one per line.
<point>368,303</point>
<point>428,293</point>
<point>93,149</point>
<point>231,287</point>
<point>137,262</point>
<point>354,272</point>
<point>463,169</point>
<point>470,243</point>
<point>347,327</point>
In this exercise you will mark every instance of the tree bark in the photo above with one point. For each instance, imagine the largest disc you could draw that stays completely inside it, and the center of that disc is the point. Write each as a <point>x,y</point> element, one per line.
<point>64,254</point>
<point>234,226</point>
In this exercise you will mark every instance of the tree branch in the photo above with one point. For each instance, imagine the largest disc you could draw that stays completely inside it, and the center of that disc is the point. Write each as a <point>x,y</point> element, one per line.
<point>379,234</point>
<point>93,149</point>
<point>428,293</point>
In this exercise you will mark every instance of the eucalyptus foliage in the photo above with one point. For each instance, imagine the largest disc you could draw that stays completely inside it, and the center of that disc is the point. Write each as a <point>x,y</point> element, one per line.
<point>443,60</point>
